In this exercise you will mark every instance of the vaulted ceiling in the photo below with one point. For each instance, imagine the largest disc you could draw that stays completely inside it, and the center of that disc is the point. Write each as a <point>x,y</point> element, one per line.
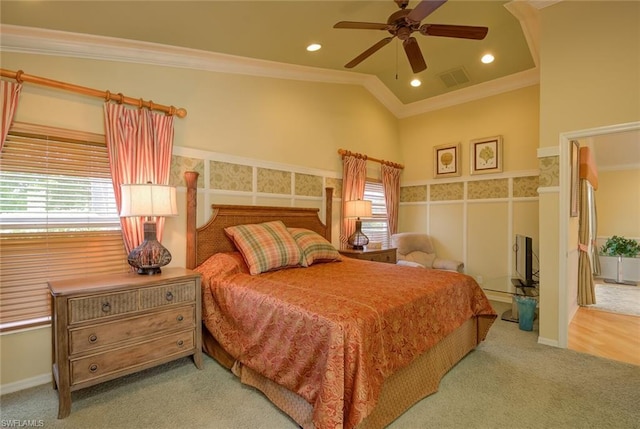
<point>280,31</point>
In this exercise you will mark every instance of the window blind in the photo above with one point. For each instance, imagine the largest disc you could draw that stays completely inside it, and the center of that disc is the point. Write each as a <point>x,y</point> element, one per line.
<point>58,217</point>
<point>376,227</point>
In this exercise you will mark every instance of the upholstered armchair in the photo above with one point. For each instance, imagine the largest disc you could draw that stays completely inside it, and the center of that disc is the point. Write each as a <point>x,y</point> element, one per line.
<point>415,249</point>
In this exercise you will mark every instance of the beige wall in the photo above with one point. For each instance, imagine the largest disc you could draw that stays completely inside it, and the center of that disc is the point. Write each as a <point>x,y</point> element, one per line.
<point>513,115</point>
<point>590,69</point>
<point>475,218</point>
<point>618,203</point>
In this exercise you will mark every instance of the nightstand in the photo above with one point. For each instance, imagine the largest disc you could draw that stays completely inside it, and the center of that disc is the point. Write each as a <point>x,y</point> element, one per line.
<point>377,255</point>
<point>108,326</point>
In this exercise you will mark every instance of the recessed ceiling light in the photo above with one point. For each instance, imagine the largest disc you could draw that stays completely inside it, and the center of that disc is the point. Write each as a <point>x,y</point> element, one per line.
<point>416,83</point>
<point>487,58</point>
<point>314,47</point>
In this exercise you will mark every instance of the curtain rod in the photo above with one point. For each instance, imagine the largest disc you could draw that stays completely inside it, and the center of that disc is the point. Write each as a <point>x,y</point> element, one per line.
<point>20,77</point>
<point>344,153</point>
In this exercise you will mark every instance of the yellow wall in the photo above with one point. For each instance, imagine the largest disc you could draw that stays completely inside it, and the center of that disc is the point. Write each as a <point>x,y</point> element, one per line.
<point>513,115</point>
<point>618,203</point>
<point>590,77</point>
<point>478,231</point>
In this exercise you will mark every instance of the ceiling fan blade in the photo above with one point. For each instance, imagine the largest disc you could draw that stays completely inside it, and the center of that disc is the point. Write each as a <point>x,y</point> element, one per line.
<point>459,31</point>
<point>422,10</point>
<point>412,49</point>
<point>363,56</point>
<point>361,25</point>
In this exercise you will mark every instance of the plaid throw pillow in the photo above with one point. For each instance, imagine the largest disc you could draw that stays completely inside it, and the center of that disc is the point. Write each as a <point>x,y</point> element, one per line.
<point>315,248</point>
<point>265,246</point>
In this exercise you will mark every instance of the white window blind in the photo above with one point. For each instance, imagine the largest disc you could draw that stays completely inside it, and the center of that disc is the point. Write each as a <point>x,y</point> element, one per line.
<point>376,227</point>
<point>58,217</point>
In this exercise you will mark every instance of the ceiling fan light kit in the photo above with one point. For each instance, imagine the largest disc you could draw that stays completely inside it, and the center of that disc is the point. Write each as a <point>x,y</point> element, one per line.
<point>403,23</point>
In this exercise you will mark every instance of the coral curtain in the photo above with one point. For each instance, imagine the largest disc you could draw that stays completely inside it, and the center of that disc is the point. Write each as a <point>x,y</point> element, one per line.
<point>391,186</point>
<point>139,143</point>
<point>586,287</point>
<point>9,96</point>
<point>354,177</point>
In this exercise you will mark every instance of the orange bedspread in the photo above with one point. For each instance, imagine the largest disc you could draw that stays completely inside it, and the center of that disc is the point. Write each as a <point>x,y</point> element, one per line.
<point>333,332</point>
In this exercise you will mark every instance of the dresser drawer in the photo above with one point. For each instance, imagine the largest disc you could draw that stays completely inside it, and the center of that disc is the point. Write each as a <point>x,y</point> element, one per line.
<point>104,364</point>
<point>389,257</point>
<point>97,306</point>
<point>112,333</point>
<point>171,293</point>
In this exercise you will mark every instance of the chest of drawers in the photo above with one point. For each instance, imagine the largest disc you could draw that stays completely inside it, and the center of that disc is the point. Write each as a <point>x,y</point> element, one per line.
<point>109,326</point>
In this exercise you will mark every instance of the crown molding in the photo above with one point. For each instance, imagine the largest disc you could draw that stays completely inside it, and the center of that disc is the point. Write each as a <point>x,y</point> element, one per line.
<point>39,41</point>
<point>476,92</point>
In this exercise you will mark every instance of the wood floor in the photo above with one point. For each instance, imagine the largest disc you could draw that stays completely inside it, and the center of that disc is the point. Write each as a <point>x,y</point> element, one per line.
<point>610,335</point>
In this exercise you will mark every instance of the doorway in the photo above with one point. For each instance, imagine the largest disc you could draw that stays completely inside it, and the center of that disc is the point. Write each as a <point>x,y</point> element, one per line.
<point>568,307</point>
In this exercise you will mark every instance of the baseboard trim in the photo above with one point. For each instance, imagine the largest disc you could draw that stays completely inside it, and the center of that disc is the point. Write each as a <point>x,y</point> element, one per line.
<point>25,384</point>
<point>548,342</point>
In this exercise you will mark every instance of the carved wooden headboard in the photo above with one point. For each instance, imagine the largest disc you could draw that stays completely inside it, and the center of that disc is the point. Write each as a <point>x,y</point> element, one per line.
<point>210,238</point>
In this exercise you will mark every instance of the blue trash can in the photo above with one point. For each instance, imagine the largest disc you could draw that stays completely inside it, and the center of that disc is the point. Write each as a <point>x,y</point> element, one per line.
<point>526,312</point>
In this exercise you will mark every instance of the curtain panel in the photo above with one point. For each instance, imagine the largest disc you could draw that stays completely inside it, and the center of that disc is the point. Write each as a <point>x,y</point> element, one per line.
<point>140,143</point>
<point>9,96</point>
<point>354,177</point>
<point>391,185</point>
<point>586,286</point>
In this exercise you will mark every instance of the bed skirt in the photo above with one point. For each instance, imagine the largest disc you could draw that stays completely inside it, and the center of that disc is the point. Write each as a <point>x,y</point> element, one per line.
<point>399,392</point>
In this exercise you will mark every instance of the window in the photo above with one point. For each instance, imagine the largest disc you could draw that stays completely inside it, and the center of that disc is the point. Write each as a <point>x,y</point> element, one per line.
<point>58,217</point>
<point>376,227</point>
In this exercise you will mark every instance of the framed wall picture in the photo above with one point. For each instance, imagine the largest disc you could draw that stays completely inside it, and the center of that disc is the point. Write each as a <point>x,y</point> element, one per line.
<point>446,160</point>
<point>575,177</point>
<point>486,155</point>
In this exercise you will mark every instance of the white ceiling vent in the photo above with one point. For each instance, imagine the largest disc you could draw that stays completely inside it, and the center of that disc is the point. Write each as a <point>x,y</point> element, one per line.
<point>454,77</point>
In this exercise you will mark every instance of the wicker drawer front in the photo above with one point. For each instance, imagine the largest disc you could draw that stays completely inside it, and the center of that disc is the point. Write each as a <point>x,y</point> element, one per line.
<point>112,333</point>
<point>97,306</point>
<point>172,293</point>
<point>104,364</point>
<point>388,257</point>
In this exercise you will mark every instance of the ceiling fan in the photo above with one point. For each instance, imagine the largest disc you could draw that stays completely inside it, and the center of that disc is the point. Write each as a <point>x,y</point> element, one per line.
<point>404,22</point>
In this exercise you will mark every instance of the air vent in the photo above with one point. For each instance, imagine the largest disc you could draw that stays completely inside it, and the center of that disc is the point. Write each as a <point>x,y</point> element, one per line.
<point>454,77</point>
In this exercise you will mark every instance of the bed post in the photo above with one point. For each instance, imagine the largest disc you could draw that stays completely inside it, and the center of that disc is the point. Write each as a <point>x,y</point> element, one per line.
<point>191,178</point>
<point>328,215</point>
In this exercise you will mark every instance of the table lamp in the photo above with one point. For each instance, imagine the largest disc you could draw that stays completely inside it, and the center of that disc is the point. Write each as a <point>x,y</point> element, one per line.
<point>149,201</point>
<point>357,209</point>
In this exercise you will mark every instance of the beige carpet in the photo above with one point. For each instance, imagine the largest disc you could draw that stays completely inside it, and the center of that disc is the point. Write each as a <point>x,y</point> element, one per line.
<point>509,381</point>
<point>614,298</point>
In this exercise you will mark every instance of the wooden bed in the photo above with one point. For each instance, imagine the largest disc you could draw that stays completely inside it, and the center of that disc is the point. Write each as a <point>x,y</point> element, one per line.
<point>399,390</point>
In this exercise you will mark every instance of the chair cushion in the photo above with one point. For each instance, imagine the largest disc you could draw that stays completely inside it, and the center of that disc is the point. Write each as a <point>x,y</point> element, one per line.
<point>407,242</point>
<point>422,258</point>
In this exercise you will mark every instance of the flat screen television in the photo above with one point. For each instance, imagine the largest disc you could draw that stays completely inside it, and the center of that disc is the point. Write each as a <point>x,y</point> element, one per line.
<point>524,260</point>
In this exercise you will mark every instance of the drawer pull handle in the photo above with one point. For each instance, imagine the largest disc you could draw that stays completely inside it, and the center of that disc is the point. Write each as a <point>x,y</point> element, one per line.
<point>180,343</point>
<point>169,296</point>
<point>180,318</point>
<point>93,338</point>
<point>106,307</point>
<point>93,367</point>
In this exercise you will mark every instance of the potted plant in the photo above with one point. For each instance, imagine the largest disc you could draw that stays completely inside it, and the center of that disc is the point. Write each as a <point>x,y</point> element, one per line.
<point>620,247</point>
